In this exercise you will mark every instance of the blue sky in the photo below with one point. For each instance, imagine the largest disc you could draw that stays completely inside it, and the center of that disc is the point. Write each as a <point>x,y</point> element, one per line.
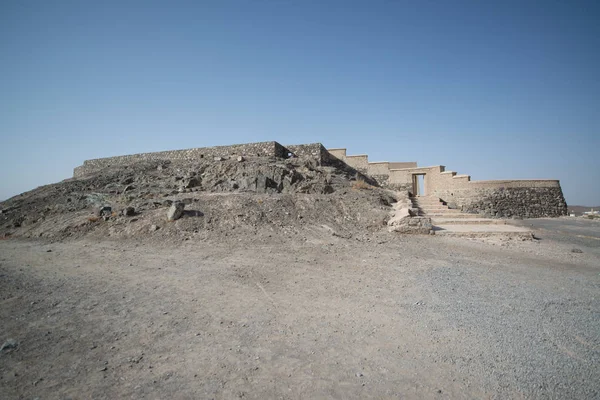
<point>496,90</point>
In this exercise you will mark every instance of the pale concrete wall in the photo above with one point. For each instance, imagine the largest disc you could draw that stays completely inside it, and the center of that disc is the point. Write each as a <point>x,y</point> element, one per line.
<point>380,171</point>
<point>338,153</point>
<point>517,183</point>
<point>400,179</point>
<point>378,168</point>
<point>358,162</point>
<point>495,198</point>
<point>400,165</point>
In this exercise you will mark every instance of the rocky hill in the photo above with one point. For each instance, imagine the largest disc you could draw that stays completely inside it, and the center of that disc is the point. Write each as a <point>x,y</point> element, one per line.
<point>222,196</point>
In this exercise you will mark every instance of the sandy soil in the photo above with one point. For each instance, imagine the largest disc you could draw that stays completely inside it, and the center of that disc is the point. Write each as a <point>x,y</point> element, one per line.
<point>391,317</point>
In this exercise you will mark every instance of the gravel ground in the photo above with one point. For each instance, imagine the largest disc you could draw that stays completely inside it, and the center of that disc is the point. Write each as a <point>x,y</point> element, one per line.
<point>574,230</point>
<point>259,317</point>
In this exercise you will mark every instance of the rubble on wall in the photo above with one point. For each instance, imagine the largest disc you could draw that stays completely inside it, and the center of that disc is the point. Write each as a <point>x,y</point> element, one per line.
<point>405,218</point>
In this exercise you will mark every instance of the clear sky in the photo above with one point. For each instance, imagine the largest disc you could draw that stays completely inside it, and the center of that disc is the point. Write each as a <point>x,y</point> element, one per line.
<point>494,89</point>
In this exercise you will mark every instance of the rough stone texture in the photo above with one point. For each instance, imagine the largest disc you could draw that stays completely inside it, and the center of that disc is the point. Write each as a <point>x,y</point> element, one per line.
<point>382,180</point>
<point>128,211</point>
<point>312,150</point>
<point>175,211</point>
<point>502,198</point>
<point>315,151</point>
<point>532,202</point>
<point>419,225</point>
<point>261,149</point>
<point>404,220</point>
<point>103,211</point>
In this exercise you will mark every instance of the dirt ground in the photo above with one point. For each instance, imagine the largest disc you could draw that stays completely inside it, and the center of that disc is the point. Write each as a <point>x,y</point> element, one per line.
<point>273,317</point>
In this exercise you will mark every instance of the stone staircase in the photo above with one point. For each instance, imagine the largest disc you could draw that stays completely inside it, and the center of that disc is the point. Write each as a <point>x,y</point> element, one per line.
<point>447,221</point>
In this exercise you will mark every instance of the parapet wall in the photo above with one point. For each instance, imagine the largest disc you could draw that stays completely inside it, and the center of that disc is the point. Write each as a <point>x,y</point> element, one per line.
<point>496,198</point>
<point>500,198</point>
<point>379,170</point>
<point>316,151</point>
<point>507,201</point>
<point>261,149</point>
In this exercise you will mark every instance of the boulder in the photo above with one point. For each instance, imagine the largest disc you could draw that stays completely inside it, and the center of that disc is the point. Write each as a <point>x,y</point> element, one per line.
<point>128,211</point>
<point>104,211</point>
<point>420,225</point>
<point>9,344</point>
<point>327,189</point>
<point>175,211</point>
<point>191,182</point>
<point>405,221</point>
<point>261,184</point>
<point>400,215</point>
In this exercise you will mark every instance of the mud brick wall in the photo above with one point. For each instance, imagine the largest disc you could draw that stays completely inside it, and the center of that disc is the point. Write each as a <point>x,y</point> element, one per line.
<point>261,149</point>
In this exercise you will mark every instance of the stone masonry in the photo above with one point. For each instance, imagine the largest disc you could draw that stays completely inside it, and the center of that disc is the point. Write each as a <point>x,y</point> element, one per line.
<point>501,198</point>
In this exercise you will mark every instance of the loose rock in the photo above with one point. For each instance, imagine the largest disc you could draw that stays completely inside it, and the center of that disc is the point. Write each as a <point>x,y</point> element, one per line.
<point>175,211</point>
<point>128,211</point>
<point>9,344</point>
<point>103,211</point>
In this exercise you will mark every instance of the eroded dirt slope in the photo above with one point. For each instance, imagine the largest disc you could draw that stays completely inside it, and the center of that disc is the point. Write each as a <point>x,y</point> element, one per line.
<point>222,197</point>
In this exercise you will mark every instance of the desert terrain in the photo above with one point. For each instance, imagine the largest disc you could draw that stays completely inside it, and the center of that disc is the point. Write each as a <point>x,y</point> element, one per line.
<point>389,317</point>
<point>291,289</point>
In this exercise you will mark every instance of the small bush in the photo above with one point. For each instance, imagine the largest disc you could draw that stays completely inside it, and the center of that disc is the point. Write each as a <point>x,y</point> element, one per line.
<point>361,184</point>
<point>94,219</point>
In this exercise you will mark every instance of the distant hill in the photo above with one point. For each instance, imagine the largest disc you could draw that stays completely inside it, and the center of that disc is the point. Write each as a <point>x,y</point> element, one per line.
<point>580,209</point>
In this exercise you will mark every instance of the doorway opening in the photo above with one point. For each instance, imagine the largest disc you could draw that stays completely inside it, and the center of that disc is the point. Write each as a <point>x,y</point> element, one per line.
<point>418,184</point>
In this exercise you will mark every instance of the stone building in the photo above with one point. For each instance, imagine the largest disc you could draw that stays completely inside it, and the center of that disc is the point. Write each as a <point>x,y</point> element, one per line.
<point>495,198</point>
<point>529,198</point>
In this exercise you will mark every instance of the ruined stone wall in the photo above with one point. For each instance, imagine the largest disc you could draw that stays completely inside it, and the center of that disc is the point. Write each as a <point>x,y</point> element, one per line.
<point>261,149</point>
<point>506,201</point>
<point>316,151</point>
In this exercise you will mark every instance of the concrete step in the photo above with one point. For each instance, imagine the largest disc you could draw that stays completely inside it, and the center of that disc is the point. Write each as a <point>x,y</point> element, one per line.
<point>429,201</point>
<point>440,211</point>
<point>466,221</point>
<point>451,215</point>
<point>483,230</point>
